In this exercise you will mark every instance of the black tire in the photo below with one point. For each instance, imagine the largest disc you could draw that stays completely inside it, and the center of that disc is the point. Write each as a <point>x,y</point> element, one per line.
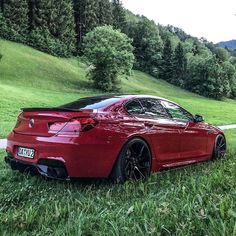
<point>133,163</point>
<point>219,149</point>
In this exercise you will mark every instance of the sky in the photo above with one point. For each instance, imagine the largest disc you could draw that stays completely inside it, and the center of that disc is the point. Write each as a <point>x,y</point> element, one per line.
<point>214,20</point>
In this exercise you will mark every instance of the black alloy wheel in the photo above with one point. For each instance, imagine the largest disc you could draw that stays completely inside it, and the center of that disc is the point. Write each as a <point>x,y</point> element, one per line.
<point>133,163</point>
<point>219,148</point>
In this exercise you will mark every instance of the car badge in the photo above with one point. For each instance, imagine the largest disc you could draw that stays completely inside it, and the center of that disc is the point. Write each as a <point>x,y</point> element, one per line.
<point>31,123</point>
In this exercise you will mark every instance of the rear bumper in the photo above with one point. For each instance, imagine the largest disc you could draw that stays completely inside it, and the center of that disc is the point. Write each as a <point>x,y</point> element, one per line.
<point>50,169</point>
<point>87,156</point>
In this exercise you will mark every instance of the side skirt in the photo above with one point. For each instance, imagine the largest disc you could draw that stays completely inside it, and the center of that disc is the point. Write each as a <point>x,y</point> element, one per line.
<point>181,163</point>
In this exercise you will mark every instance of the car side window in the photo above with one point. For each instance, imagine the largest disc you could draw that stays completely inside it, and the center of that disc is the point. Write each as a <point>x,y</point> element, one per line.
<point>177,112</point>
<point>134,107</point>
<point>153,109</point>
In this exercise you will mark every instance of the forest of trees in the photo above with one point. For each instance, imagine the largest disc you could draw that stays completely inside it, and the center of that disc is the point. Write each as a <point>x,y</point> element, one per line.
<point>59,26</point>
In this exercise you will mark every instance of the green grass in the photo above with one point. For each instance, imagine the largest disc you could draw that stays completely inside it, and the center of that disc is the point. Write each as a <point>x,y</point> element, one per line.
<point>30,78</point>
<point>195,200</point>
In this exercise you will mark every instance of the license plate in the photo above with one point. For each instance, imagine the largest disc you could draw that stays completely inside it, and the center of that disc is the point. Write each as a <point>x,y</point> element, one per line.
<point>25,152</point>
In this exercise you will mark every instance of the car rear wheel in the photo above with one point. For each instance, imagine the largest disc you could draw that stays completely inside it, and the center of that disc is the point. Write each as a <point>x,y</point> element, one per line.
<point>133,163</point>
<point>219,148</point>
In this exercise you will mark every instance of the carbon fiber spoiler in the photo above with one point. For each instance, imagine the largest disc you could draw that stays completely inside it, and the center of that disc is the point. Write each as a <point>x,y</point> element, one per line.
<point>49,109</point>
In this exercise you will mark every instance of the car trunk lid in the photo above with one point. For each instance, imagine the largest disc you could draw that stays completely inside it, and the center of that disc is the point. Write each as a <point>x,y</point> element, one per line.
<point>36,121</point>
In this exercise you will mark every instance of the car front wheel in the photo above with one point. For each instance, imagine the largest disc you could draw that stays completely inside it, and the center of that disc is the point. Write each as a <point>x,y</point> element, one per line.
<point>219,147</point>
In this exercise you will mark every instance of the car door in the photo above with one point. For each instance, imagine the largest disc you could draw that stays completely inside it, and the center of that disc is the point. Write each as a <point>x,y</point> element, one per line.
<point>162,130</point>
<point>193,136</point>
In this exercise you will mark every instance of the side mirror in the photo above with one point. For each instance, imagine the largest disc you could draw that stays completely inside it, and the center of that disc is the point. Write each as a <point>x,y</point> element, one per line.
<point>198,119</point>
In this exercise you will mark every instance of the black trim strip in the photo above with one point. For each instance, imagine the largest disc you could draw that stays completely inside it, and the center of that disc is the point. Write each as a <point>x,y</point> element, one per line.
<point>49,109</point>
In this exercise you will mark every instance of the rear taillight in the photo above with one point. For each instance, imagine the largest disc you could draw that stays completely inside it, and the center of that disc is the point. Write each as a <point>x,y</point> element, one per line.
<point>72,127</point>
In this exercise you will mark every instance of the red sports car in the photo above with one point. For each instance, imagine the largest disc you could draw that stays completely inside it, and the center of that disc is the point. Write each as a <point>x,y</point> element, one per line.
<point>122,137</point>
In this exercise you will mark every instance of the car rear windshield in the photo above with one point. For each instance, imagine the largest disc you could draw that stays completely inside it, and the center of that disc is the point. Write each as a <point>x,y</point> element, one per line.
<point>91,103</point>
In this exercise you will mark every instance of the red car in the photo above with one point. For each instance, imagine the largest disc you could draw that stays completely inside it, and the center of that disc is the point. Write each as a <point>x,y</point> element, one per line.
<point>122,137</point>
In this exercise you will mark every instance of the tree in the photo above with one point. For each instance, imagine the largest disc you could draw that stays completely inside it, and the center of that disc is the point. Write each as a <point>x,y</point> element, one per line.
<point>221,54</point>
<point>147,49</point>
<point>1,5</point>
<point>178,32</point>
<point>104,12</point>
<point>52,26</point>
<point>110,54</point>
<point>166,70</point>
<point>15,15</point>
<point>86,17</point>
<point>195,49</point>
<point>228,78</point>
<point>119,15</point>
<point>205,77</point>
<point>179,66</point>
<point>42,13</point>
<point>62,27</point>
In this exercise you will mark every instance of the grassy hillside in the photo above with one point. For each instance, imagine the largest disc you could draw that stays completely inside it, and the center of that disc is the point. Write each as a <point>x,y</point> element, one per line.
<point>32,78</point>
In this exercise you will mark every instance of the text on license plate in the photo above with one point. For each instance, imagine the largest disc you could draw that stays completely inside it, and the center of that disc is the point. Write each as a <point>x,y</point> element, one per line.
<point>25,152</point>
